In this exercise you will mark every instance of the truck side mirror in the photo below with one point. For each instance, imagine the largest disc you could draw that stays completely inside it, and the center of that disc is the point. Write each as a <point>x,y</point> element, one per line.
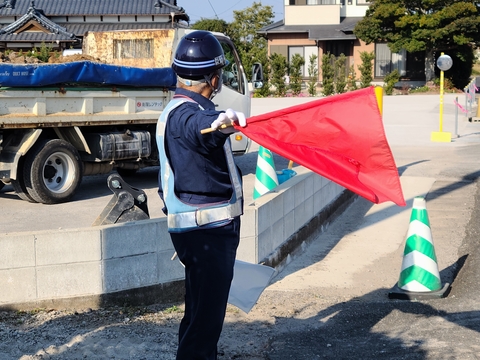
<point>257,75</point>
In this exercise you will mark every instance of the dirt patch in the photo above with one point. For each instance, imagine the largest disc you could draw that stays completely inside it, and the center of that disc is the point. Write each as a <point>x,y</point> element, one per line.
<point>72,58</point>
<point>27,58</point>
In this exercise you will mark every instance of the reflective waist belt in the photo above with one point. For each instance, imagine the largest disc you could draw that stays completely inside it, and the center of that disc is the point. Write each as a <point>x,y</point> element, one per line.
<point>183,216</point>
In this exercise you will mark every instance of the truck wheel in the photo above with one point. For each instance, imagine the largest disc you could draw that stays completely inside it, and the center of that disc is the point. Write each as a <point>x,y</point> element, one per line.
<point>53,171</point>
<point>19,183</point>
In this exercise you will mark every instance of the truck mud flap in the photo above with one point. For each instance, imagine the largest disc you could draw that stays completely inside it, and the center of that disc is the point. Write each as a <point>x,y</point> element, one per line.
<point>127,203</point>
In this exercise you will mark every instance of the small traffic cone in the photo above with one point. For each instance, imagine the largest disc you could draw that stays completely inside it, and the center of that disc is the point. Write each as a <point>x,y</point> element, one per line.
<point>266,177</point>
<point>419,277</point>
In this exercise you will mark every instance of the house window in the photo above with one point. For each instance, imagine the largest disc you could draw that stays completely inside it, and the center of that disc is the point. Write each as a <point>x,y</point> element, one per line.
<point>339,47</point>
<point>386,61</point>
<point>321,2</point>
<point>305,52</point>
<point>133,49</point>
<point>363,2</point>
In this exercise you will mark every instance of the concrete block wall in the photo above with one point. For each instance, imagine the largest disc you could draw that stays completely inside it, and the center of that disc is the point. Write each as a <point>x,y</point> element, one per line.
<point>274,217</point>
<point>47,267</point>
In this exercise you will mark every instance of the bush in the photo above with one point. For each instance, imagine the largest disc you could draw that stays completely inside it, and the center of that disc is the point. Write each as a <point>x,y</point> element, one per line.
<point>447,84</point>
<point>313,74</point>
<point>352,80</point>
<point>296,74</point>
<point>278,69</point>
<point>420,89</point>
<point>43,54</point>
<point>340,76</point>
<point>390,80</point>
<point>365,68</point>
<point>328,74</point>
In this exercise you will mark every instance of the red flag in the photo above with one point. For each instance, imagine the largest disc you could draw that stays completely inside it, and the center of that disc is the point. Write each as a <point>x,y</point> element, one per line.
<point>339,137</point>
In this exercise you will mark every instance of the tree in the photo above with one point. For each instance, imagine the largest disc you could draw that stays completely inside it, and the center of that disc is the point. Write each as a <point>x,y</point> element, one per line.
<point>463,59</point>
<point>251,46</point>
<point>432,26</point>
<point>340,74</point>
<point>313,75</point>
<point>365,68</point>
<point>217,25</point>
<point>352,79</point>
<point>390,80</point>
<point>328,74</point>
<point>296,73</point>
<point>278,69</point>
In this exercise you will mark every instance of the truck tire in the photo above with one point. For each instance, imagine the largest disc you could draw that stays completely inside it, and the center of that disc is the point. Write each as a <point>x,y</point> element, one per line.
<point>53,171</point>
<point>19,183</point>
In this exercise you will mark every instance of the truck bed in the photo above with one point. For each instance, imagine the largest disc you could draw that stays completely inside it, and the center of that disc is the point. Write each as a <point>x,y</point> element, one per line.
<point>86,72</point>
<point>81,93</point>
<point>64,107</point>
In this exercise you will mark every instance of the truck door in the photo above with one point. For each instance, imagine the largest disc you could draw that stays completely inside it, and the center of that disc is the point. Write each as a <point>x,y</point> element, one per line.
<point>235,93</point>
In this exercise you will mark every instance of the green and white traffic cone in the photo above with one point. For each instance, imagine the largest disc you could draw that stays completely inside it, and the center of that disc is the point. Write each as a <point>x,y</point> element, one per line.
<point>266,177</point>
<point>419,277</point>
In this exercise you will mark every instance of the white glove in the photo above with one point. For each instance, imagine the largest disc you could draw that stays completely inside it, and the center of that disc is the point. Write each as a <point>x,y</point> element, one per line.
<point>237,116</point>
<point>227,119</point>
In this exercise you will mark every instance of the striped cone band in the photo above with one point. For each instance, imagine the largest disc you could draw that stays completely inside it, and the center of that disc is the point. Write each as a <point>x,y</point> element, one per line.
<point>419,211</point>
<point>420,240</point>
<point>266,177</point>
<point>419,267</point>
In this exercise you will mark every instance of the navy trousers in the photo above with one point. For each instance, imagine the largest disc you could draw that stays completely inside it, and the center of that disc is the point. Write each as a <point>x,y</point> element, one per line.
<point>209,257</point>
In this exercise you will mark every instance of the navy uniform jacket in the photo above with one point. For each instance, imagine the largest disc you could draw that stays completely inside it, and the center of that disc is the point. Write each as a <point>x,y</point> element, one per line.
<point>197,160</point>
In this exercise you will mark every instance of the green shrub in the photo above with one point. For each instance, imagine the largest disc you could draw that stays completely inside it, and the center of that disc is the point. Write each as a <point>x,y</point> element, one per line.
<point>390,80</point>
<point>352,80</point>
<point>278,69</point>
<point>313,75</point>
<point>340,74</point>
<point>296,73</point>
<point>420,89</point>
<point>365,68</point>
<point>42,54</point>
<point>328,74</point>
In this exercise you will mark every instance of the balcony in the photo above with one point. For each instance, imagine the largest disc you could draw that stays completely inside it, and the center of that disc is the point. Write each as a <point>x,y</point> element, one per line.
<point>323,12</point>
<point>326,12</point>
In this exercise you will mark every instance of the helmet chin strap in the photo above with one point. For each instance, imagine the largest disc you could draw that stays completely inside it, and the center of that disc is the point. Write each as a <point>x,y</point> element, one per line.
<point>218,88</point>
<point>189,82</point>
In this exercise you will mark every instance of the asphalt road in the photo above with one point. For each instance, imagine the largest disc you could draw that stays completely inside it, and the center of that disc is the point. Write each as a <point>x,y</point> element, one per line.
<point>336,289</point>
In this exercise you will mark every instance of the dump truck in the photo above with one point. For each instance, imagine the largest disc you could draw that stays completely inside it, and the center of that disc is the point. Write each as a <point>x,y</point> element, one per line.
<point>60,122</point>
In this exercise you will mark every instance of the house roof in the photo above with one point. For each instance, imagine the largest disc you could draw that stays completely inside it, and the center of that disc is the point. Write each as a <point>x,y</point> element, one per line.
<point>342,31</point>
<point>79,29</point>
<point>31,19</point>
<point>93,7</point>
<point>34,17</point>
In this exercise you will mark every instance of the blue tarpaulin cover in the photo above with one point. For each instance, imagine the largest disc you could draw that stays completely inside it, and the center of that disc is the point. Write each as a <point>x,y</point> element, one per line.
<point>23,75</point>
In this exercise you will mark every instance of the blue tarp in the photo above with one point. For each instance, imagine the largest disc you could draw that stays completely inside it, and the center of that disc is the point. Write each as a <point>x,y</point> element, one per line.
<point>25,75</point>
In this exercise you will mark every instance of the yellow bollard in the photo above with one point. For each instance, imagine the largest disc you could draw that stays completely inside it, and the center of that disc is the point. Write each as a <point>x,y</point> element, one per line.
<point>379,95</point>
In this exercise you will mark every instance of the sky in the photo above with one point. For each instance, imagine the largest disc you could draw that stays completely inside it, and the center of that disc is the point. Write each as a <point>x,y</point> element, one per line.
<point>223,9</point>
